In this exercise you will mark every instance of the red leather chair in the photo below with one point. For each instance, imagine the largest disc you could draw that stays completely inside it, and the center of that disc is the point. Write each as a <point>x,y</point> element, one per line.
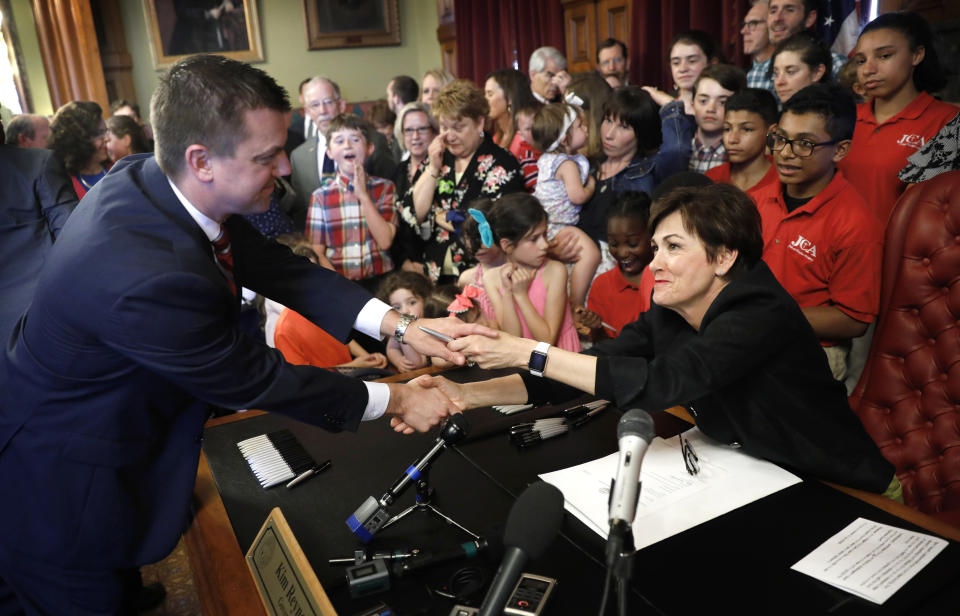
<point>909,394</point>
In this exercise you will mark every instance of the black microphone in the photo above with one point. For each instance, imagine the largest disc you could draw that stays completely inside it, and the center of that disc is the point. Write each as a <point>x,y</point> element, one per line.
<point>533,522</point>
<point>372,515</point>
<point>635,430</point>
<point>468,549</point>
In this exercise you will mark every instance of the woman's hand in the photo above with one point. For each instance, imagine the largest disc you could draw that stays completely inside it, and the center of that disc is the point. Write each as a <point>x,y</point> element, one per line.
<point>507,351</point>
<point>435,152</point>
<point>522,277</point>
<point>423,342</point>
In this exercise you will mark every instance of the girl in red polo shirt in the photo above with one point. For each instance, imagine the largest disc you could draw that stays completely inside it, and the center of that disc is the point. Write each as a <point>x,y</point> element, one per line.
<point>897,65</point>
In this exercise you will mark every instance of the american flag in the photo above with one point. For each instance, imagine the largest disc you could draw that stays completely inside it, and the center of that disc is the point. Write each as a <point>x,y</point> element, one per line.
<point>839,23</point>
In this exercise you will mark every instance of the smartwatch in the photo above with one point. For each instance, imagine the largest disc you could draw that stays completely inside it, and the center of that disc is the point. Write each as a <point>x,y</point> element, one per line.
<point>538,359</point>
<point>402,324</point>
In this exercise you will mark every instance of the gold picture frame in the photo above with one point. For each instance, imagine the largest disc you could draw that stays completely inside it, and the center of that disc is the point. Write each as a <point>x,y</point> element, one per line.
<point>179,28</point>
<point>331,24</point>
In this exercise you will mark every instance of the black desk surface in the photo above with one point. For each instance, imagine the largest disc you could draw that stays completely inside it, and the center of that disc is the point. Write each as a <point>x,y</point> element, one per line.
<point>739,561</point>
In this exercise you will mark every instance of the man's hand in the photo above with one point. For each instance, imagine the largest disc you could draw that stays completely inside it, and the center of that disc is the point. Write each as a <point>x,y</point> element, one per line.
<point>505,352</point>
<point>414,408</point>
<point>565,247</point>
<point>451,326</point>
<point>562,80</point>
<point>454,391</point>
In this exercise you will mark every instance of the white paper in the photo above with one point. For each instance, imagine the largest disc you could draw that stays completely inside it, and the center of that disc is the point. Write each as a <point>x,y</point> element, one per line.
<point>671,500</point>
<point>871,560</point>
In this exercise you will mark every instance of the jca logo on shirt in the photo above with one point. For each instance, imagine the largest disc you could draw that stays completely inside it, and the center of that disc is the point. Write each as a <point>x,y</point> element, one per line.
<point>804,247</point>
<point>911,141</point>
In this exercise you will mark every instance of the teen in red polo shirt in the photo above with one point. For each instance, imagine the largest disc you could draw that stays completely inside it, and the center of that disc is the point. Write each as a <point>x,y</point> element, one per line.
<point>820,240</point>
<point>748,115</point>
<point>897,65</point>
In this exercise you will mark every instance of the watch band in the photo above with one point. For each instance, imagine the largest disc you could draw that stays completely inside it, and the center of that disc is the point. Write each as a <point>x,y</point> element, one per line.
<point>538,359</point>
<point>402,324</point>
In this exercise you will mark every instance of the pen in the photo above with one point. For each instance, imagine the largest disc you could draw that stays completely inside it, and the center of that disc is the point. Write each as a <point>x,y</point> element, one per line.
<point>608,326</point>
<point>307,474</point>
<point>435,333</point>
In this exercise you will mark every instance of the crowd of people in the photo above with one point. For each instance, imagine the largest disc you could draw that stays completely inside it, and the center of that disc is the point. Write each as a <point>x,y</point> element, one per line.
<point>712,238</point>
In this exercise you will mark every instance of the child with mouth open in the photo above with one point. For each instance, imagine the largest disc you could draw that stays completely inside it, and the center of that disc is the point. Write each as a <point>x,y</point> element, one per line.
<point>351,219</point>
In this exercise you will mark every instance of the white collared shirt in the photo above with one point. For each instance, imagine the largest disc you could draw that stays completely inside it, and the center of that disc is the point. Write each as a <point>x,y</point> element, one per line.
<point>367,322</point>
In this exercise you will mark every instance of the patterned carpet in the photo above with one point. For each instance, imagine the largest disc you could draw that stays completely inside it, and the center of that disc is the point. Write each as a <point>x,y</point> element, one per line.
<point>175,575</point>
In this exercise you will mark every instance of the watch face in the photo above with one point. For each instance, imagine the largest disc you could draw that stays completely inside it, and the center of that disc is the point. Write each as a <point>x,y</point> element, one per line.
<point>538,361</point>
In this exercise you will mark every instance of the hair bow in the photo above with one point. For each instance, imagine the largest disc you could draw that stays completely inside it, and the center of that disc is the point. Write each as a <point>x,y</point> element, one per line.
<point>486,234</point>
<point>568,118</point>
<point>463,301</point>
<point>572,99</point>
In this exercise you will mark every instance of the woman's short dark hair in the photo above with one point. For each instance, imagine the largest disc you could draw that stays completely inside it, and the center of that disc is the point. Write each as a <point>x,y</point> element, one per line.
<point>812,51</point>
<point>633,106</point>
<point>418,284</point>
<point>72,131</point>
<point>512,216</point>
<point>928,76</point>
<point>203,99</point>
<point>696,37</point>
<point>721,215</point>
<point>121,126</point>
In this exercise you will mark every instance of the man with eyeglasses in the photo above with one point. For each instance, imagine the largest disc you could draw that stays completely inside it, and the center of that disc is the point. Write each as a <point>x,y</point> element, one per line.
<point>757,45</point>
<point>322,102</point>
<point>612,62</point>
<point>820,239</point>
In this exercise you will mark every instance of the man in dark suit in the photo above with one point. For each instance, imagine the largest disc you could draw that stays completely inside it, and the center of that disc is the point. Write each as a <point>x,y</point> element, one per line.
<point>322,102</point>
<point>132,336</point>
<point>36,199</point>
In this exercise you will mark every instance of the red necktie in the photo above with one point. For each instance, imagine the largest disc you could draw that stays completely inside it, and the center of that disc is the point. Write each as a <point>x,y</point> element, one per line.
<point>221,248</point>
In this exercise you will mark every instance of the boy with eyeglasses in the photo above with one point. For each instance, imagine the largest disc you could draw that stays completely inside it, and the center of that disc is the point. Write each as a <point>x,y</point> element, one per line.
<point>820,239</point>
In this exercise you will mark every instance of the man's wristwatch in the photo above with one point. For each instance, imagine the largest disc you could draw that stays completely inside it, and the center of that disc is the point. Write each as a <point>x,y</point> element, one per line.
<point>538,359</point>
<point>401,329</point>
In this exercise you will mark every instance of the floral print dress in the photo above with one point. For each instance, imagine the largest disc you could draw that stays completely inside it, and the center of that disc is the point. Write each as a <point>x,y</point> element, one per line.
<point>491,173</point>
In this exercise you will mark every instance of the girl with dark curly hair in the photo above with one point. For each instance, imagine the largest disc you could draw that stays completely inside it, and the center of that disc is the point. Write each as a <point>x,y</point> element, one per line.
<point>78,137</point>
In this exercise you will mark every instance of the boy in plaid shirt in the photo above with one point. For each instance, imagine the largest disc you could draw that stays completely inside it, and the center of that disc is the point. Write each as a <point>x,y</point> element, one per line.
<point>351,216</point>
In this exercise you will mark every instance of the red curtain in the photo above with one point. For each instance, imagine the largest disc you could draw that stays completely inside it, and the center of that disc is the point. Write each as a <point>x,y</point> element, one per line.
<point>655,23</point>
<point>494,35</point>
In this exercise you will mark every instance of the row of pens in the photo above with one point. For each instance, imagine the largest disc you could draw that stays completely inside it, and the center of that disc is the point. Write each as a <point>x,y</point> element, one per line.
<point>531,433</point>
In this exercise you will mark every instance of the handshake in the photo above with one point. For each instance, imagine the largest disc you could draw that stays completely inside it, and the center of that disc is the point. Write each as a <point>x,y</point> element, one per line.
<point>425,402</point>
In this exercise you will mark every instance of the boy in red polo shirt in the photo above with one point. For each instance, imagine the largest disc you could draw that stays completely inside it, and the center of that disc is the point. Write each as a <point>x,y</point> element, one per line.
<point>820,239</point>
<point>748,116</point>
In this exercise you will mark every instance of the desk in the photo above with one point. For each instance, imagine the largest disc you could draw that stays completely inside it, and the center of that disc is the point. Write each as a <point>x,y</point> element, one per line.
<point>740,560</point>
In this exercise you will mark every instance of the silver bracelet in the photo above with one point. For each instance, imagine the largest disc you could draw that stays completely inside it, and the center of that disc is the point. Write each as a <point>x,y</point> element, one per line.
<point>402,324</point>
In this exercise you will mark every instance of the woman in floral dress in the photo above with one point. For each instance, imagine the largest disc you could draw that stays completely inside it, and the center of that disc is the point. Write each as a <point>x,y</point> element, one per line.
<point>465,164</point>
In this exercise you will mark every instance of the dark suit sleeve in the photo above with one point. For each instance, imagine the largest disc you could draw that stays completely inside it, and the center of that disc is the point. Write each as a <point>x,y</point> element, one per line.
<point>54,192</point>
<point>174,325</point>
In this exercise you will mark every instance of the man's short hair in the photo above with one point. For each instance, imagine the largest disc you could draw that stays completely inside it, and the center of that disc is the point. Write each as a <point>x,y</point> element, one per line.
<point>381,114</point>
<point>202,100</point>
<point>728,76</point>
<point>611,42</point>
<point>303,83</point>
<point>721,216</point>
<point>831,102</point>
<point>756,100</point>
<point>122,102</point>
<point>21,125</point>
<point>323,79</point>
<point>406,88</point>
<point>349,121</point>
<point>541,55</point>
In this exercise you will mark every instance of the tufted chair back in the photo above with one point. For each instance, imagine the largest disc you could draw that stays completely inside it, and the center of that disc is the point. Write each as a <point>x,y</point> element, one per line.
<point>909,394</point>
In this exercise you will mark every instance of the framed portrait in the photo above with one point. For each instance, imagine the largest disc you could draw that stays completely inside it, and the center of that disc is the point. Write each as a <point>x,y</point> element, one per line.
<point>351,23</point>
<point>180,28</point>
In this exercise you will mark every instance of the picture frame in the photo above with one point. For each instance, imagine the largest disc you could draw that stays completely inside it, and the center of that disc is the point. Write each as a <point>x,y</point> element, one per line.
<point>179,28</point>
<point>336,24</point>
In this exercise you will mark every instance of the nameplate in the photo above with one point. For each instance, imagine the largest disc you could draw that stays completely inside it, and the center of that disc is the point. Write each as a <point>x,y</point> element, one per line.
<point>285,580</point>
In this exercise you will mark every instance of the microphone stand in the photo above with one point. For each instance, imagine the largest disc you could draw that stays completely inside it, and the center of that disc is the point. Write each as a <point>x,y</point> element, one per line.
<point>620,552</point>
<point>424,503</point>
